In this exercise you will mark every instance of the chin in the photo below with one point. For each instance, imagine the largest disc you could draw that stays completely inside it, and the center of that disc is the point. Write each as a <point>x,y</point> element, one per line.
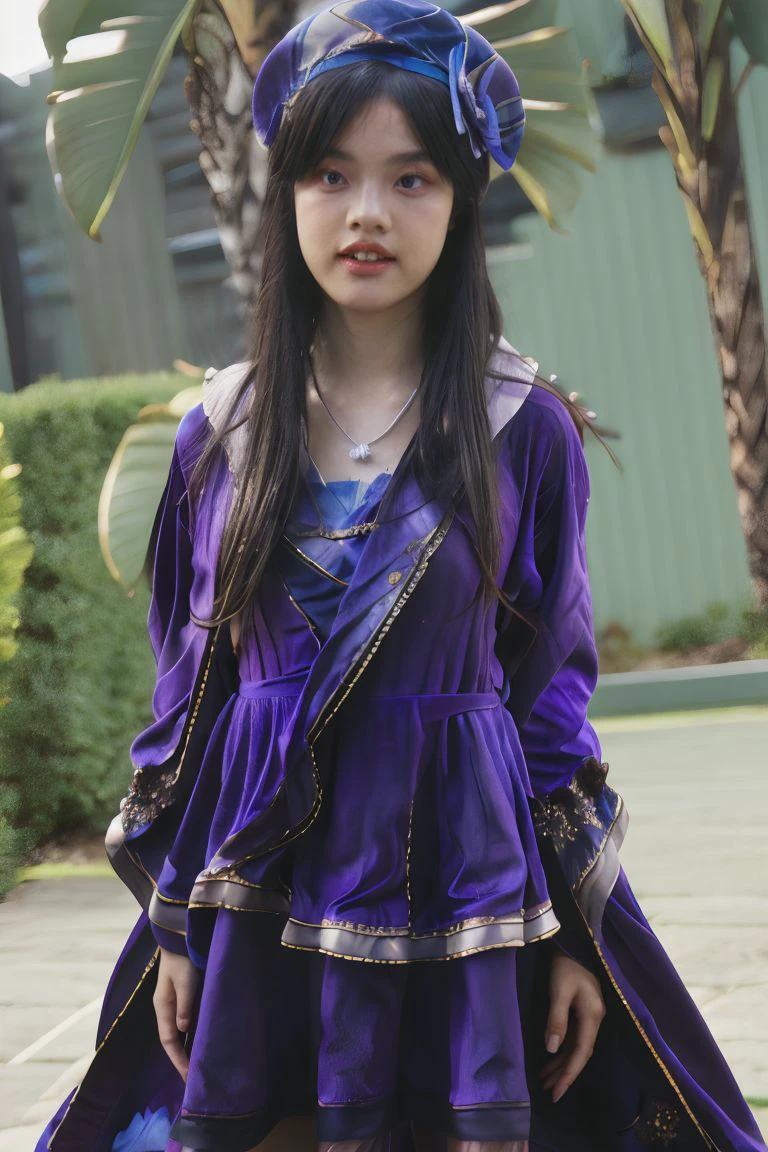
<point>366,299</point>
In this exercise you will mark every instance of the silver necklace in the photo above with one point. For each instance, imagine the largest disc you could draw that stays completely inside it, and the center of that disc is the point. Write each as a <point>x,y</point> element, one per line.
<point>361,450</point>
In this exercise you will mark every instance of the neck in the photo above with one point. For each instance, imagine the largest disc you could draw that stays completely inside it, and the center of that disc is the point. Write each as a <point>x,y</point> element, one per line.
<point>388,347</point>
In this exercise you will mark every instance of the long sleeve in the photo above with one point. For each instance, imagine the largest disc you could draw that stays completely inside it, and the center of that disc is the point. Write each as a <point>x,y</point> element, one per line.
<point>553,685</point>
<point>551,665</point>
<point>136,842</point>
<point>172,635</point>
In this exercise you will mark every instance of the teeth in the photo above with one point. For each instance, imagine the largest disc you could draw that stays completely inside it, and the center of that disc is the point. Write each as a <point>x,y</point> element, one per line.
<point>367,256</point>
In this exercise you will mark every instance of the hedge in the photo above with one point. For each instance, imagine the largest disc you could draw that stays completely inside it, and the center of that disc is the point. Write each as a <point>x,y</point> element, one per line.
<point>79,687</point>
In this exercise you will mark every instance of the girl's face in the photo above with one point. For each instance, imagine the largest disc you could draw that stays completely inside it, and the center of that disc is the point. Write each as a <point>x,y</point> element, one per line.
<point>378,191</point>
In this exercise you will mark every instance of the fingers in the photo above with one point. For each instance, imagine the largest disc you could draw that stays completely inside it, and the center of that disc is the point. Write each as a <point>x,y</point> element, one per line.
<point>173,1002</point>
<point>560,1073</point>
<point>186,981</point>
<point>557,1020</point>
<point>576,1012</point>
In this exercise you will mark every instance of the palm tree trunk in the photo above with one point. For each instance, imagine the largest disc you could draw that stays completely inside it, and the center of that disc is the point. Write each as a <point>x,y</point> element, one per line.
<point>229,41</point>
<point>710,174</point>
<point>218,89</point>
<point>738,321</point>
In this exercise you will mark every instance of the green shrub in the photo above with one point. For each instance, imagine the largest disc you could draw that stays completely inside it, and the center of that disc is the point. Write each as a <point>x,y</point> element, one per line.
<point>7,857</point>
<point>15,843</point>
<point>715,625</point>
<point>712,626</point>
<point>754,629</point>
<point>79,687</point>
<point>15,555</point>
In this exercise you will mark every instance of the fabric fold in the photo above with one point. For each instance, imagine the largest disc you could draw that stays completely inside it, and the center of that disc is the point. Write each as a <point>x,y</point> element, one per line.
<point>452,806</point>
<point>550,679</point>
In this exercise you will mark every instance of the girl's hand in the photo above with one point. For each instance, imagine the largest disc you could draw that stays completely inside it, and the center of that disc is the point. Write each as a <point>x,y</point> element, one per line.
<point>571,987</point>
<point>174,997</point>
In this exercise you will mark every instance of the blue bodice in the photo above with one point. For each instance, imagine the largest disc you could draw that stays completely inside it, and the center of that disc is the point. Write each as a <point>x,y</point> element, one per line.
<point>318,573</point>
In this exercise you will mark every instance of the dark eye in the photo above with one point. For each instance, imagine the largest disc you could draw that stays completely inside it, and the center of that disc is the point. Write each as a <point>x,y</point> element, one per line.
<point>331,172</point>
<point>411,176</point>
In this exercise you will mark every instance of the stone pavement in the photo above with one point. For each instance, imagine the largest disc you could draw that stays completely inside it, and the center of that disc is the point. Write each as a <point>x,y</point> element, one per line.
<point>696,854</point>
<point>59,940</point>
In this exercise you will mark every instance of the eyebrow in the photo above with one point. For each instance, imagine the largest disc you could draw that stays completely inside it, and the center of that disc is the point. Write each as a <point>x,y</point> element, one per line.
<point>395,158</point>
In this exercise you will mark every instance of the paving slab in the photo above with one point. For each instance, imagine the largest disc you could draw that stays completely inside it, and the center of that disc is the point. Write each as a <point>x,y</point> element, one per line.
<point>21,1139</point>
<point>745,963</point>
<point>59,940</point>
<point>696,854</point>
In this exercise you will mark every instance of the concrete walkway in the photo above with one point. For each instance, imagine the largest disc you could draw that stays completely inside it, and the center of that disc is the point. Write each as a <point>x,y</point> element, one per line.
<point>696,854</point>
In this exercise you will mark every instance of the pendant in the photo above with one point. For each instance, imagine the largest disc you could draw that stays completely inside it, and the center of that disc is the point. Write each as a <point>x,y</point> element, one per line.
<point>360,452</point>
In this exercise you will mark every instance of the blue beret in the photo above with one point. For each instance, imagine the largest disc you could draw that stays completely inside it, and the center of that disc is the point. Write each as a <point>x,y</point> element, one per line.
<point>411,34</point>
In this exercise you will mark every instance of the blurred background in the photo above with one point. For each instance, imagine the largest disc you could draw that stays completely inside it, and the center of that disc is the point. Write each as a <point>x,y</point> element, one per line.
<point>629,248</point>
<point>617,307</point>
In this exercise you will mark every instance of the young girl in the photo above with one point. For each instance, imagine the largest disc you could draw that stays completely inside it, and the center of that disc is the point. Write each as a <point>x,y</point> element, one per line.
<point>370,827</point>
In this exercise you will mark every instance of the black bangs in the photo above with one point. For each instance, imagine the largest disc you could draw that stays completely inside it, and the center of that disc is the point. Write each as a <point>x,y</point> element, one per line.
<point>325,106</point>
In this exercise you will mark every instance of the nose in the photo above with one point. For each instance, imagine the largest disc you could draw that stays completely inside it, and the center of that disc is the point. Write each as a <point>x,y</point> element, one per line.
<point>367,208</point>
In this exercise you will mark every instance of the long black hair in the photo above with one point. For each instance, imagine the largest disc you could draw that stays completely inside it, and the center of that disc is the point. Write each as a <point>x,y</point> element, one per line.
<point>452,451</point>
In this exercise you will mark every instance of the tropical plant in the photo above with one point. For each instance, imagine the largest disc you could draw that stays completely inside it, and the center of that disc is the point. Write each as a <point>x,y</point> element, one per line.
<point>102,92</point>
<point>134,483</point>
<point>690,43</point>
<point>15,554</point>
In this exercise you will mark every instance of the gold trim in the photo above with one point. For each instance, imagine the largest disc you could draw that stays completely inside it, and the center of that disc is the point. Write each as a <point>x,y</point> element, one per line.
<point>360,529</point>
<point>644,1035</point>
<point>212,644</point>
<point>238,908</point>
<point>186,732</point>
<point>112,1027</point>
<point>670,1078</point>
<point>473,935</point>
<point>537,910</point>
<point>298,607</point>
<point>524,916</point>
<point>169,899</point>
<point>231,877</point>
<point>619,809</point>
<point>435,539</point>
<point>185,736</point>
<point>351,926</point>
<point>171,916</point>
<point>426,959</point>
<point>218,893</point>
<point>313,563</point>
<point>137,863</point>
<point>408,861</point>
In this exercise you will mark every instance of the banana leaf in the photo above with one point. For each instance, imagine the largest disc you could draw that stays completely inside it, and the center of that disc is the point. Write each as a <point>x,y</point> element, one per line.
<point>100,103</point>
<point>710,96</point>
<point>651,16</point>
<point>59,21</point>
<point>750,18</point>
<point>708,17</point>
<point>513,18</point>
<point>560,139</point>
<point>134,484</point>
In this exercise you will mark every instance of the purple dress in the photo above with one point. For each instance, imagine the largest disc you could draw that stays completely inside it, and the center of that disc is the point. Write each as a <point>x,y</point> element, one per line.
<point>367,825</point>
<point>439,1035</point>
